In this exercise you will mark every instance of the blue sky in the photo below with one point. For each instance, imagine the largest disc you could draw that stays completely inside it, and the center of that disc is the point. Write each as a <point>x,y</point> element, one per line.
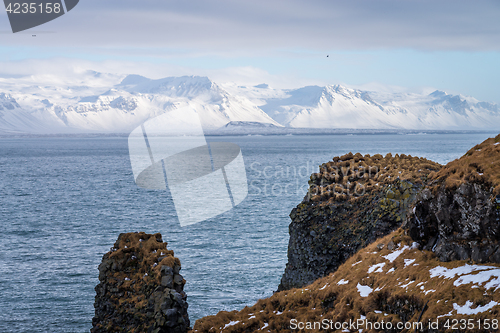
<point>448,45</point>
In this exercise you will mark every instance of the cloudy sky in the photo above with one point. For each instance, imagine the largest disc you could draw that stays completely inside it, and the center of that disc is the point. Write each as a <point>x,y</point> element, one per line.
<point>451,45</point>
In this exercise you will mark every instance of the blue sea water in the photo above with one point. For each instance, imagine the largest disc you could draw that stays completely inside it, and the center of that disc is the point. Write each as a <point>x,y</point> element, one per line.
<point>64,201</point>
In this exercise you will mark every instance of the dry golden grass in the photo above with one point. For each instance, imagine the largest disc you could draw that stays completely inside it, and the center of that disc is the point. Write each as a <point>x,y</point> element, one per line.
<point>354,175</point>
<point>140,253</point>
<point>400,289</point>
<point>480,164</point>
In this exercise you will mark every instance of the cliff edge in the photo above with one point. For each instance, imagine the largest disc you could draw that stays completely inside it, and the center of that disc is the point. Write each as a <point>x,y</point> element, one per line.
<point>351,201</point>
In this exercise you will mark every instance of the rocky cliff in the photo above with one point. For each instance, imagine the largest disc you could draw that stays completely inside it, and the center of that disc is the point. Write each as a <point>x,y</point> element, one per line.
<point>140,288</point>
<point>458,215</point>
<point>352,201</point>
<point>434,281</point>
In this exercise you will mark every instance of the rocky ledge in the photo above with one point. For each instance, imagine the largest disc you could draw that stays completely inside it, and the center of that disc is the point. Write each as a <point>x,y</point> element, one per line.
<point>351,202</point>
<point>458,215</point>
<point>140,288</point>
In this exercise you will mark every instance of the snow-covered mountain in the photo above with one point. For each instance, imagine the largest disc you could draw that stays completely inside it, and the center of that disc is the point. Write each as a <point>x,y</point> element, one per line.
<point>92,102</point>
<point>340,107</point>
<point>122,107</point>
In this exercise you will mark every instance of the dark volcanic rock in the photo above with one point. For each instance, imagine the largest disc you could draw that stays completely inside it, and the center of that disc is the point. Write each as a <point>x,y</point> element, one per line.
<point>458,215</point>
<point>140,288</point>
<point>351,202</point>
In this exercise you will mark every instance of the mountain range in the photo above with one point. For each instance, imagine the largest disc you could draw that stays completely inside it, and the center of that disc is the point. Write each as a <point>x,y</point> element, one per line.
<point>95,102</point>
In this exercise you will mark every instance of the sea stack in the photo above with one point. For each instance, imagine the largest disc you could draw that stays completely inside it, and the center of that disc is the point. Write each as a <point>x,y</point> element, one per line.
<point>140,288</point>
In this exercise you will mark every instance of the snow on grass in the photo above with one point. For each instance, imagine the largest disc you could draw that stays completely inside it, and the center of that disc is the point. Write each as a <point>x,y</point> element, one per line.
<point>406,285</point>
<point>445,315</point>
<point>341,282</point>
<point>409,262</point>
<point>376,268</point>
<point>466,309</point>
<point>231,323</point>
<point>429,291</point>
<point>450,273</point>
<point>359,262</point>
<point>393,256</point>
<point>364,291</point>
<point>326,285</point>
<point>265,325</point>
<point>486,276</point>
<point>492,277</point>
<point>391,270</point>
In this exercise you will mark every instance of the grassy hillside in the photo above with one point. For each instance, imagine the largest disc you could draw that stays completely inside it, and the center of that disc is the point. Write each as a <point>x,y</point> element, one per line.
<point>389,281</point>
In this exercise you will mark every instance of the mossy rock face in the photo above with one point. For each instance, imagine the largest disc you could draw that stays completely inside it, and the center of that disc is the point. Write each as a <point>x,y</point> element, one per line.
<point>351,202</point>
<point>140,288</point>
<point>457,216</point>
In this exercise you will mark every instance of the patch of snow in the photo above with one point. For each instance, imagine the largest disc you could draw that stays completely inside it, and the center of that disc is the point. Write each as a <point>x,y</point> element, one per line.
<point>414,245</point>
<point>231,323</point>
<point>251,317</point>
<point>359,262</point>
<point>409,262</point>
<point>406,285</point>
<point>466,309</point>
<point>391,270</point>
<point>445,315</point>
<point>492,276</point>
<point>450,273</point>
<point>377,311</point>
<point>393,256</point>
<point>364,291</point>
<point>323,287</point>
<point>341,282</point>
<point>376,268</point>
<point>265,325</point>
<point>429,291</point>
<point>486,276</point>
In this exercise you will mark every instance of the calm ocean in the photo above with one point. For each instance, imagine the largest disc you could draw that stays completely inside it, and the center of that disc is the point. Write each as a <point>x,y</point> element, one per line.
<point>63,202</point>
